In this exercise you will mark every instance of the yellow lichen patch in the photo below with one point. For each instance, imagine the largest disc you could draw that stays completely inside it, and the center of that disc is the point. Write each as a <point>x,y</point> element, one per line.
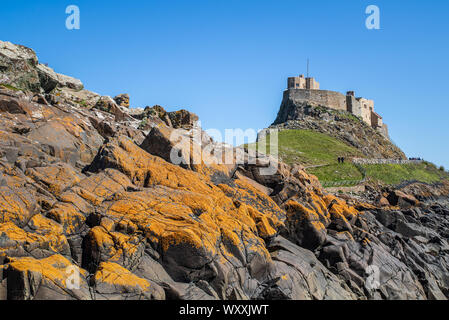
<point>101,238</point>
<point>56,178</point>
<point>319,204</point>
<point>16,237</point>
<point>128,245</point>
<point>70,124</point>
<point>363,206</point>
<point>43,225</point>
<point>55,268</point>
<point>263,224</point>
<point>179,210</point>
<point>366,241</point>
<point>173,218</point>
<point>252,203</point>
<point>107,224</point>
<point>293,207</point>
<point>68,216</point>
<point>113,246</point>
<point>145,169</point>
<point>117,276</point>
<point>184,237</point>
<point>88,196</point>
<point>250,195</point>
<point>339,206</point>
<point>16,205</point>
<point>318,225</point>
<point>98,187</point>
<point>73,198</point>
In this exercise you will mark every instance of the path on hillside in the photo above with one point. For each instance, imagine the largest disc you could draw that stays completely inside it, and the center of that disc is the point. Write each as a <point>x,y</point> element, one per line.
<point>318,166</point>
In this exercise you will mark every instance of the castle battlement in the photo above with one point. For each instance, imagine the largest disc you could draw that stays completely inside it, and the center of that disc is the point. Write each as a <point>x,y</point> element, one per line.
<point>308,90</point>
<point>302,83</point>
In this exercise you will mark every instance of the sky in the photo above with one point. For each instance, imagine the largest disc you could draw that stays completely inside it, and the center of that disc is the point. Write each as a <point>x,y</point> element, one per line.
<point>228,61</point>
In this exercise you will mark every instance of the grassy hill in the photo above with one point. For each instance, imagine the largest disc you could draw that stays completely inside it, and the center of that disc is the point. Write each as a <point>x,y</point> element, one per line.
<point>311,148</point>
<point>397,173</point>
<point>319,152</point>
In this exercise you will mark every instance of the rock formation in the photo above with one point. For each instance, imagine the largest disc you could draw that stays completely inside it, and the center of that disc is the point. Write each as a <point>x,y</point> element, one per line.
<point>339,124</point>
<point>87,188</point>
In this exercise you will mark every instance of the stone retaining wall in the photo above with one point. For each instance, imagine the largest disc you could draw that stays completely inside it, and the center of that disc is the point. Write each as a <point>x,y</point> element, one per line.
<point>383,161</point>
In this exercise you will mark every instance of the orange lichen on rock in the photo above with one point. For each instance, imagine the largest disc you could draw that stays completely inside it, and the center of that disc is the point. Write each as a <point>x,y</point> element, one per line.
<point>174,220</point>
<point>68,216</point>
<point>293,207</point>
<point>306,225</point>
<point>55,178</point>
<point>319,204</point>
<point>16,238</point>
<point>121,279</point>
<point>46,278</point>
<point>147,170</point>
<point>183,210</point>
<point>114,246</point>
<point>53,268</point>
<point>17,204</point>
<point>263,224</point>
<point>43,225</point>
<point>340,207</point>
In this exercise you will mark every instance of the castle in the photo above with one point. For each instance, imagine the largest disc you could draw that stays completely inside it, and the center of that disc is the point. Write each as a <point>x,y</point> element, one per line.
<point>301,89</point>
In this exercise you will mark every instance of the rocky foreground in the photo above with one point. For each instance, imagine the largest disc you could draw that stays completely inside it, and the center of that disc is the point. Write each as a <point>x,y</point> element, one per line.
<point>87,184</point>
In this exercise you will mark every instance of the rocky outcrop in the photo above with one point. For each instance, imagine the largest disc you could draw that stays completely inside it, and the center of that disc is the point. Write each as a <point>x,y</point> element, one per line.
<point>181,119</point>
<point>19,67</point>
<point>93,207</point>
<point>50,80</point>
<point>338,124</point>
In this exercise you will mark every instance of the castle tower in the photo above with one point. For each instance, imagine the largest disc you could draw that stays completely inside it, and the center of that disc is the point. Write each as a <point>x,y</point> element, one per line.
<point>302,83</point>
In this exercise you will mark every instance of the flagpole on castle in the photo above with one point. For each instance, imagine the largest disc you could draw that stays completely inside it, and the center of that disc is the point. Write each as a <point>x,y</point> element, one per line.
<point>307,67</point>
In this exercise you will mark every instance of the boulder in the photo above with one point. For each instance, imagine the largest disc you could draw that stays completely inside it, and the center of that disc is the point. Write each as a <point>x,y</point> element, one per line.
<point>401,199</point>
<point>45,279</point>
<point>113,281</point>
<point>183,119</point>
<point>122,100</point>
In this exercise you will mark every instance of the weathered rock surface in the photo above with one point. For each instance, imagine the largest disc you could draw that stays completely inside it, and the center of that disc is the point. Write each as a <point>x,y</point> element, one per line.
<point>18,67</point>
<point>92,207</point>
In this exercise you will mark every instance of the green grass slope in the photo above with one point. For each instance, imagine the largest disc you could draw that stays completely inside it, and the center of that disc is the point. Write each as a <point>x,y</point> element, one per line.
<point>311,148</point>
<point>319,152</point>
<point>397,173</point>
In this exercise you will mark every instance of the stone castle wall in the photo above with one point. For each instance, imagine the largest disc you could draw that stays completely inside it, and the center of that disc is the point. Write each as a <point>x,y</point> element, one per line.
<point>330,99</point>
<point>361,107</point>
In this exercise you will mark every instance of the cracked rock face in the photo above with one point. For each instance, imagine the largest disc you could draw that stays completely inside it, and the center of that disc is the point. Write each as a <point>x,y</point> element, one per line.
<point>92,208</point>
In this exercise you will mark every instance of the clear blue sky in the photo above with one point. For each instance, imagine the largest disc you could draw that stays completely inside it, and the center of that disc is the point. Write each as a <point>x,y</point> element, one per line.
<point>228,61</point>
